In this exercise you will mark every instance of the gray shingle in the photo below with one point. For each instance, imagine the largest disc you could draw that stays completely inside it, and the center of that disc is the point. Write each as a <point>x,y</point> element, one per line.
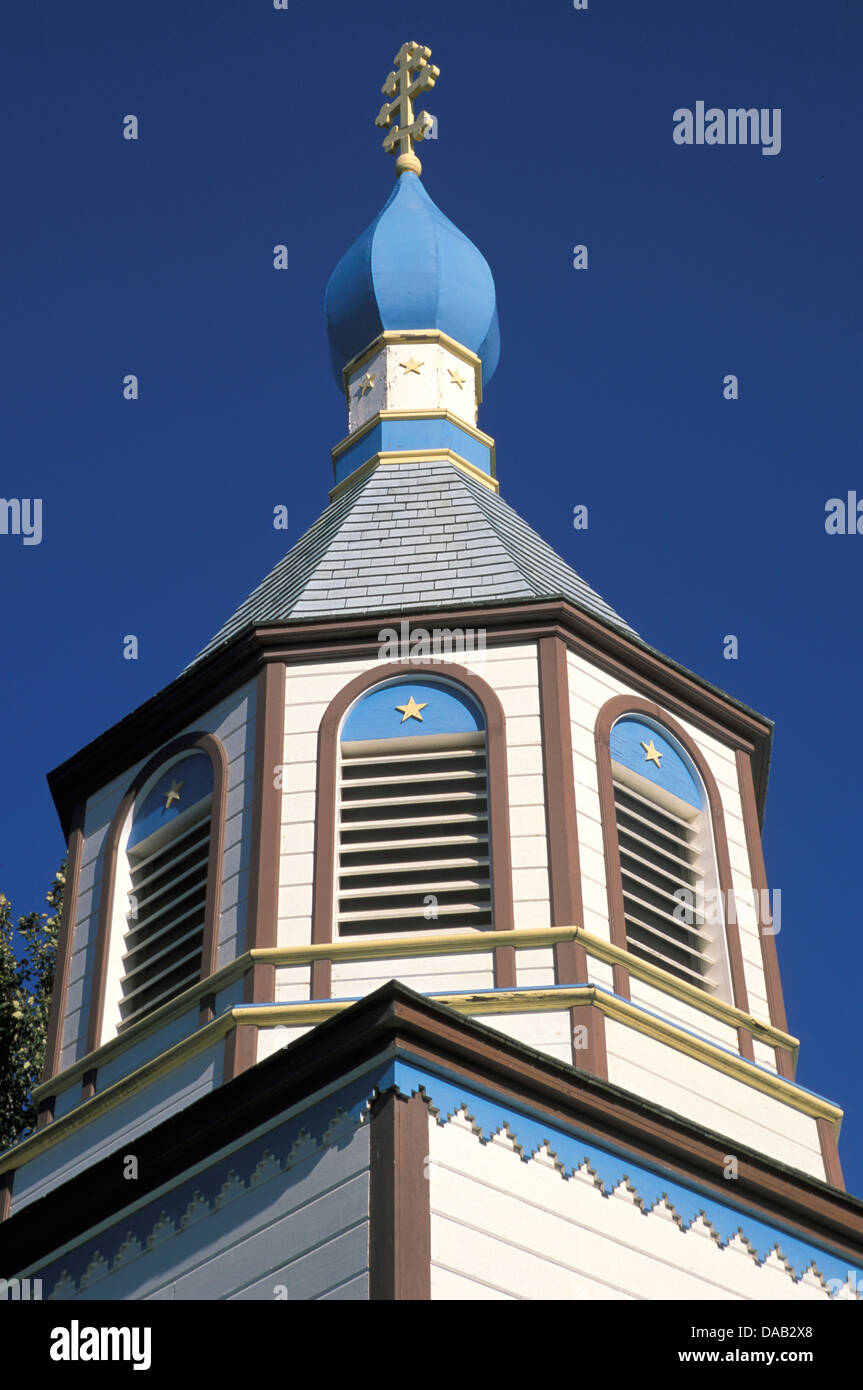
<point>429,536</point>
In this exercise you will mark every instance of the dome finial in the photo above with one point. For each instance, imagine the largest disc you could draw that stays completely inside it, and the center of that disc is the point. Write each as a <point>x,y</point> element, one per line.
<point>401,87</point>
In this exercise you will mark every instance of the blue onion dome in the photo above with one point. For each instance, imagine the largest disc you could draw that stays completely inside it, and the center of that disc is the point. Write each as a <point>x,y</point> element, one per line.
<point>412,269</point>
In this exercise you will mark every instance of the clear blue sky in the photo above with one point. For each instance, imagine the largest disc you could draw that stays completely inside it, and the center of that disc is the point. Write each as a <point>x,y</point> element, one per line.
<point>555,128</point>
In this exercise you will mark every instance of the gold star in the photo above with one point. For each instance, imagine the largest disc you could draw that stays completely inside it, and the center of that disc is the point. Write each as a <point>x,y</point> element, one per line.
<point>411,366</point>
<point>456,377</point>
<point>651,755</point>
<point>173,794</point>
<point>367,383</point>
<point>411,710</point>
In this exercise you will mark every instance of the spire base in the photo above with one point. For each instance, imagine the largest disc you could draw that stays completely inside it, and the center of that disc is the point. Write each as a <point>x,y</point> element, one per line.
<point>408,164</point>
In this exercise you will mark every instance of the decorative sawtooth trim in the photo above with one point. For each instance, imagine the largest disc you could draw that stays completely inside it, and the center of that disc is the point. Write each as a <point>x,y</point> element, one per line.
<point>505,1139</point>
<point>584,1173</point>
<point>527,1138</point>
<point>739,1244</point>
<point>235,1176</point>
<point>667,1212</point>
<point>776,1260</point>
<point>129,1250</point>
<point>197,1209</point>
<point>625,1192</point>
<point>814,1278</point>
<point>702,1226</point>
<point>614,1176</point>
<point>662,1209</point>
<point>547,1158</point>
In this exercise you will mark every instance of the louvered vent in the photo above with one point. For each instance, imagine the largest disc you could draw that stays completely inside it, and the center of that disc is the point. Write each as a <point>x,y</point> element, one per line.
<point>164,940</point>
<point>659,855</point>
<point>414,834</point>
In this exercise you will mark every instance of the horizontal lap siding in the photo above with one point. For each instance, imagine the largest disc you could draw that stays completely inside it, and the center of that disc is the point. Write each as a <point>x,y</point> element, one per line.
<point>304,1228</point>
<point>549,1032</point>
<point>272,1040</point>
<point>309,690</point>
<point>503,1228</point>
<point>119,1125</point>
<point>426,974</point>
<point>710,1098</point>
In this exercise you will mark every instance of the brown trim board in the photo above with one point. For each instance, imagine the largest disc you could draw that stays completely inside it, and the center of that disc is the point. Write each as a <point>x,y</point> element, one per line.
<point>399,1206</point>
<point>239,661</point>
<point>564,864</point>
<point>263,904</point>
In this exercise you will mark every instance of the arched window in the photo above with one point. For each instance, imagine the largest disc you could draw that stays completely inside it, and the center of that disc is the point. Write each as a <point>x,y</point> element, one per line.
<point>674,913</point>
<point>167,857</point>
<point>413,810</point>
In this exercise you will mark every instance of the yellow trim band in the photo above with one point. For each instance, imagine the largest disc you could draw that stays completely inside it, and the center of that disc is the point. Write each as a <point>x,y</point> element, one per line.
<point>119,1091</point>
<point>432,944</point>
<point>559,1000</point>
<point>308,1014</point>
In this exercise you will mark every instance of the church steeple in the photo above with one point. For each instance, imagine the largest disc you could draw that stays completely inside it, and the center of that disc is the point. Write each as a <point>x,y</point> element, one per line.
<point>412,314</point>
<point>424,762</point>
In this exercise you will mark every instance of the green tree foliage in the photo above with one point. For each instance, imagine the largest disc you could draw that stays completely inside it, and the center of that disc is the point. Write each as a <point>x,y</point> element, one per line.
<point>26,981</point>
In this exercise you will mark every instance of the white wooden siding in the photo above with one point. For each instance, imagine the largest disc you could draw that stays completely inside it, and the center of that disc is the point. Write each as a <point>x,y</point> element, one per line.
<point>503,1228</point>
<point>710,1098</point>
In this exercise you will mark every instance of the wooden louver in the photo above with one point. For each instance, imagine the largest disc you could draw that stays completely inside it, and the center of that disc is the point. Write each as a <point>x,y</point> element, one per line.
<point>414,835</point>
<point>164,938</point>
<point>659,856</point>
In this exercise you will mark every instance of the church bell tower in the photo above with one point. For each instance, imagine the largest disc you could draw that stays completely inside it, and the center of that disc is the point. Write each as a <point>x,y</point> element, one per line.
<point>417,938</point>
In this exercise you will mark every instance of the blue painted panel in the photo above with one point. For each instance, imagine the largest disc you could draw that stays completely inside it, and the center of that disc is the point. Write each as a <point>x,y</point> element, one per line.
<point>414,435</point>
<point>447,710</point>
<point>673,774</point>
<point>196,775</point>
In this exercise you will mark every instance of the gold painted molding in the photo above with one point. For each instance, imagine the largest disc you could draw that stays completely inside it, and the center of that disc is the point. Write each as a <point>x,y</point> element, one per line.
<point>416,456</point>
<point>688,994</point>
<point>438,943</point>
<point>539,1000</point>
<point>433,944</point>
<point>560,1000</point>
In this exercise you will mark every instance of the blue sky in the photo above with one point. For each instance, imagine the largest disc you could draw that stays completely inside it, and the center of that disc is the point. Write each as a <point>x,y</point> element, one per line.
<point>706,516</point>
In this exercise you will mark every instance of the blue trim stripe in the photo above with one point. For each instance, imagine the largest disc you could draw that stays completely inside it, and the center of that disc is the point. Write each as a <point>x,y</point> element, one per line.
<point>415,436</point>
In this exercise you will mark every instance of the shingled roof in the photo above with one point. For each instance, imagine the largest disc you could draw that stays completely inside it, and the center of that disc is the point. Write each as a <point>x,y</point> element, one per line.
<point>415,536</point>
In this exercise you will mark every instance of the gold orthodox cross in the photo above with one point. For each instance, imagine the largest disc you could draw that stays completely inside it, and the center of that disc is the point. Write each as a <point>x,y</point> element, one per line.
<point>413,74</point>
